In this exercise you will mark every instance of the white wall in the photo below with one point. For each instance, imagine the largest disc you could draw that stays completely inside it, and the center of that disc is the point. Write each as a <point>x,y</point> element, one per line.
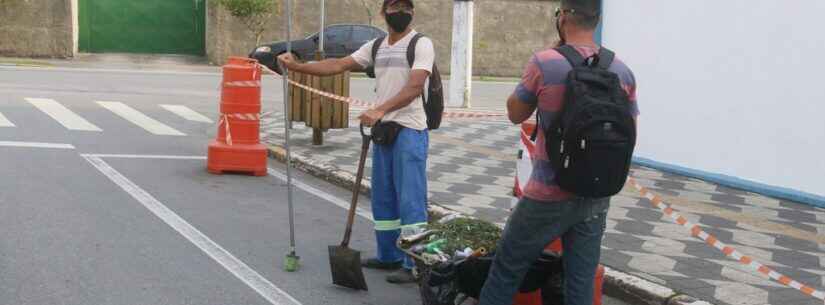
<point>735,87</point>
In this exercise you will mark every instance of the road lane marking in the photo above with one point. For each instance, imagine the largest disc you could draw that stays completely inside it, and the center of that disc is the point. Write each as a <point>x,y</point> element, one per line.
<point>4,122</point>
<point>187,113</point>
<point>36,145</point>
<point>272,172</point>
<point>121,71</point>
<point>120,156</point>
<point>141,120</point>
<point>320,194</point>
<point>241,270</point>
<point>62,115</point>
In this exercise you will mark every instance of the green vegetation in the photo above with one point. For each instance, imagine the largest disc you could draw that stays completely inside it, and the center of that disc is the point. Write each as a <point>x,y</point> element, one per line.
<point>255,14</point>
<point>462,233</point>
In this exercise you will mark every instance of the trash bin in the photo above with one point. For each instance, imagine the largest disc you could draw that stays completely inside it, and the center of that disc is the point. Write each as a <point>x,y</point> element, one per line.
<point>318,112</point>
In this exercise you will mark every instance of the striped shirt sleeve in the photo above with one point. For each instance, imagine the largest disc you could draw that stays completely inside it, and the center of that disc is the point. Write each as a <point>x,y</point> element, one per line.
<point>631,93</point>
<point>531,81</point>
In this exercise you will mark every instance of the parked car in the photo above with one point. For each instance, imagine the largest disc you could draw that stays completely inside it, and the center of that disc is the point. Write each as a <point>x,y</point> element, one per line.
<point>340,41</point>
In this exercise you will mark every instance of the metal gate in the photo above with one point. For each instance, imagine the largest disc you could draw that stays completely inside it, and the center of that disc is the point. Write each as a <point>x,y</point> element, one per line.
<point>145,26</point>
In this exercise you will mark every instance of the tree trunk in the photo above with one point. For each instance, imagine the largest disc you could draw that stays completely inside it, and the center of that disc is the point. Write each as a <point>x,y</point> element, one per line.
<point>369,11</point>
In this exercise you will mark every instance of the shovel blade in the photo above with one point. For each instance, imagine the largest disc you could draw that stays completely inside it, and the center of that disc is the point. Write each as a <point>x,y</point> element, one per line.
<point>345,264</point>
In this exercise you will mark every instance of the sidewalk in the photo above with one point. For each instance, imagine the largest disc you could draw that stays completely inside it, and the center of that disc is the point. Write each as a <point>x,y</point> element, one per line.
<point>471,169</point>
<point>116,61</point>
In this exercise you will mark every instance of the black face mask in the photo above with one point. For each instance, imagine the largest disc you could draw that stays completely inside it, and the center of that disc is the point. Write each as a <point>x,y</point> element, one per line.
<point>399,21</point>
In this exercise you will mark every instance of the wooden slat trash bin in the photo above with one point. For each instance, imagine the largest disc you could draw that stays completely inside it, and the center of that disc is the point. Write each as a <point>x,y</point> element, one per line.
<point>318,112</point>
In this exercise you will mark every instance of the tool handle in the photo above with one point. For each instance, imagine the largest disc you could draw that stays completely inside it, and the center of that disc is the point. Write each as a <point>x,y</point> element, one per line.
<point>363,134</point>
<point>356,188</point>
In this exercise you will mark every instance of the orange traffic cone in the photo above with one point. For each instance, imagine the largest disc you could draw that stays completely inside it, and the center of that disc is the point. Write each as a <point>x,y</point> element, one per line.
<point>528,298</point>
<point>598,285</point>
<point>237,147</point>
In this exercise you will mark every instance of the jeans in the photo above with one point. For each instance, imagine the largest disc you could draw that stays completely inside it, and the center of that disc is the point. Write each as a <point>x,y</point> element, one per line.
<point>399,192</point>
<point>579,222</point>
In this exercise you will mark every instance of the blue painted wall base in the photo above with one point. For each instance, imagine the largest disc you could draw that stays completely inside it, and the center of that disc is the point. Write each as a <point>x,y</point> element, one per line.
<point>738,183</point>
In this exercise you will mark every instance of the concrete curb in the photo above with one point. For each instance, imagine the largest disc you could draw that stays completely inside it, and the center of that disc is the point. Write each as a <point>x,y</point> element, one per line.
<point>636,290</point>
<point>617,284</point>
<point>25,64</point>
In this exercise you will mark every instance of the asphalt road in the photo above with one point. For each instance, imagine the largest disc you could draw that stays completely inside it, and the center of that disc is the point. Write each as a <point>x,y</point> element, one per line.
<point>105,199</point>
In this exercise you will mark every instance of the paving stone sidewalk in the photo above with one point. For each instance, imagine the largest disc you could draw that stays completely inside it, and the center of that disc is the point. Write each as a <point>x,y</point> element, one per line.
<point>471,167</point>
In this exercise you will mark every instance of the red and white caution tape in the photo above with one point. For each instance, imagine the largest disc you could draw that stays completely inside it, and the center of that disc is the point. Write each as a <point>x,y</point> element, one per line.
<point>360,103</point>
<point>729,251</point>
<point>244,116</point>
<point>472,115</point>
<point>243,83</point>
<point>238,116</point>
<point>349,100</point>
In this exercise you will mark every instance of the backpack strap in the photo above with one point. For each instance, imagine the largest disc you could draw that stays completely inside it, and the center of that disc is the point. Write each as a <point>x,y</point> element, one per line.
<point>606,58</point>
<point>572,55</point>
<point>411,48</point>
<point>411,58</point>
<point>375,46</point>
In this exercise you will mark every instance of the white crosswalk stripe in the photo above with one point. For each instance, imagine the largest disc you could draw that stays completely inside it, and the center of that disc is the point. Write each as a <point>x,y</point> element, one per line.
<point>62,115</point>
<point>4,122</point>
<point>36,145</point>
<point>141,120</point>
<point>187,113</point>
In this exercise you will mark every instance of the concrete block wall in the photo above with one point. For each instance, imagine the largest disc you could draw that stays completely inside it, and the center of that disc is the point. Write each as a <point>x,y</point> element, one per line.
<point>37,28</point>
<point>507,31</point>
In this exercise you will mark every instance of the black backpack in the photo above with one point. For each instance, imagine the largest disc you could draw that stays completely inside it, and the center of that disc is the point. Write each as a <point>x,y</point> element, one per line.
<point>590,145</point>
<point>434,97</point>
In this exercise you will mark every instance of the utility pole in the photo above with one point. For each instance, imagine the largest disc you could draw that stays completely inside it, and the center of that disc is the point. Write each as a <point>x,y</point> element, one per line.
<point>292,261</point>
<point>319,54</point>
<point>461,65</point>
<point>317,134</point>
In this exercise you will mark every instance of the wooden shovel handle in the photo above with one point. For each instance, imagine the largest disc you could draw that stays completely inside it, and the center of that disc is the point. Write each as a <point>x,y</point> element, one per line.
<point>365,147</point>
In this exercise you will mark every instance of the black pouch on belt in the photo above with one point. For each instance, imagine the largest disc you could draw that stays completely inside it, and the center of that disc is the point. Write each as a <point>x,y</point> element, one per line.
<point>384,133</point>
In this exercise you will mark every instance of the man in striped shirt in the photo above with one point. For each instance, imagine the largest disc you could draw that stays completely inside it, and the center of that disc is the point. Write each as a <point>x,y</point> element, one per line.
<point>547,212</point>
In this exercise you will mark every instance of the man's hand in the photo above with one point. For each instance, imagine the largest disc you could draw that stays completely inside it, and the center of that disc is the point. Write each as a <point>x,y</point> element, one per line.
<point>287,60</point>
<point>370,117</point>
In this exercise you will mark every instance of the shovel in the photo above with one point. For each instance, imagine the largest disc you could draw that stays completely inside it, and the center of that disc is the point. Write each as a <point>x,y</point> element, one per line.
<point>344,262</point>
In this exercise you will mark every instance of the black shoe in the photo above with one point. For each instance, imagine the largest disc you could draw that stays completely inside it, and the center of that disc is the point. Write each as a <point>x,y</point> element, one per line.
<point>374,263</point>
<point>402,276</point>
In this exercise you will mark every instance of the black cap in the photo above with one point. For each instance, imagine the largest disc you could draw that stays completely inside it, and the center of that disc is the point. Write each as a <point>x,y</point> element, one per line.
<point>587,7</point>
<point>391,2</point>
